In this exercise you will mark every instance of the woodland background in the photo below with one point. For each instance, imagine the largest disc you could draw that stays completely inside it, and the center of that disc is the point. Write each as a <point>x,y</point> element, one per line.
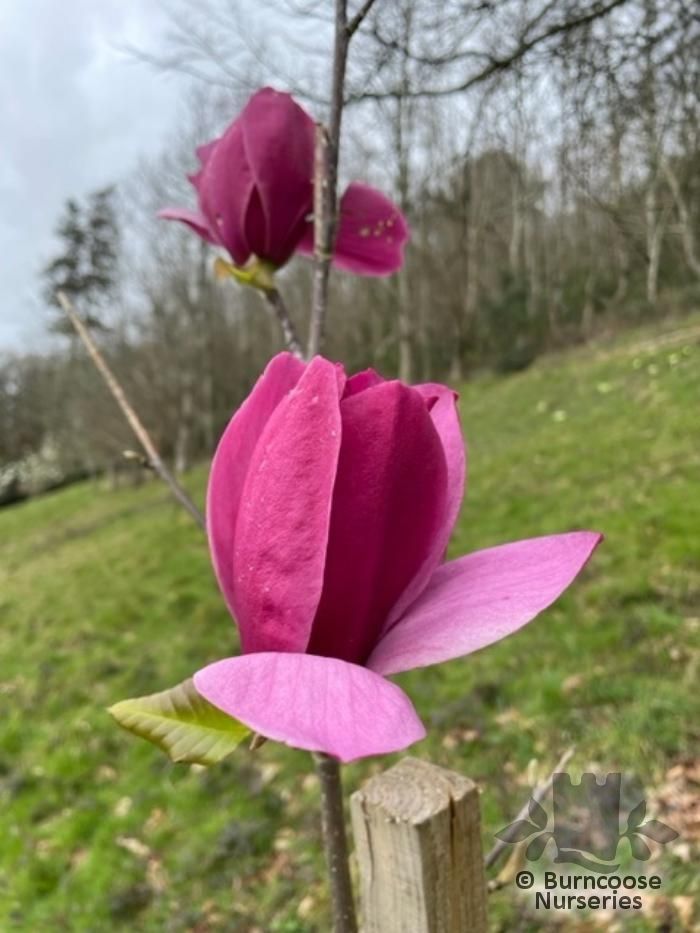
<point>546,153</point>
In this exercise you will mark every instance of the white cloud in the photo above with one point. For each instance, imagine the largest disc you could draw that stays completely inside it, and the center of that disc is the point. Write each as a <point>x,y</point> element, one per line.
<point>75,113</point>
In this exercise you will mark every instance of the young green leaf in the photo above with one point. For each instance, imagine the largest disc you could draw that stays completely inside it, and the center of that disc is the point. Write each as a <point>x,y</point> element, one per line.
<point>181,722</point>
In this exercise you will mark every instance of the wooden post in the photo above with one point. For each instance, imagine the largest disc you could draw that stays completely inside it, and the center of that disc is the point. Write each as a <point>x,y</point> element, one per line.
<point>418,840</point>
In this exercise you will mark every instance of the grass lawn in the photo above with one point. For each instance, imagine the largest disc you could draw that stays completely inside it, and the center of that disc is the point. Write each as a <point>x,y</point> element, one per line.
<point>106,595</point>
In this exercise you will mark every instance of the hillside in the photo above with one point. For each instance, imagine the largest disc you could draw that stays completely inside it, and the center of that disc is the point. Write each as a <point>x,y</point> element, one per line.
<point>105,595</point>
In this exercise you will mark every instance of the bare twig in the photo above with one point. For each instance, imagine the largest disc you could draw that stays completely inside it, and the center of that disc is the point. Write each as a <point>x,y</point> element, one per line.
<point>497,65</point>
<point>135,422</point>
<point>326,172</point>
<point>538,795</point>
<point>335,843</point>
<point>323,241</point>
<point>279,308</point>
<point>356,20</point>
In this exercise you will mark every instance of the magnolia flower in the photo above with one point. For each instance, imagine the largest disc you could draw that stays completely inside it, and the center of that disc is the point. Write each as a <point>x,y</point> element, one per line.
<point>330,504</point>
<point>255,193</point>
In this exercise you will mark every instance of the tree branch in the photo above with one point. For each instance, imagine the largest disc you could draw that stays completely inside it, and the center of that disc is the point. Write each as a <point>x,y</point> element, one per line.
<point>352,27</point>
<point>135,423</point>
<point>497,65</point>
<point>279,308</point>
<point>326,182</point>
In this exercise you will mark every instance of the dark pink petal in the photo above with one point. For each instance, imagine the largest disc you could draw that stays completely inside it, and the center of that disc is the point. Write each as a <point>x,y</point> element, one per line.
<point>445,415</point>
<point>232,459</point>
<point>203,154</point>
<point>284,514</point>
<point>255,226</point>
<point>388,505</point>
<point>195,221</point>
<point>319,704</point>
<point>225,185</point>
<point>279,145</point>
<point>205,150</point>
<point>372,232</point>
<point>479,599</point>
<point>361,381</point>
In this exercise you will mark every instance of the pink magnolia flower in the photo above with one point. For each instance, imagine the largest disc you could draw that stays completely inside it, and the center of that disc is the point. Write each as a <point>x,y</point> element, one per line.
<point>255,192</point>
<point>330,504</point>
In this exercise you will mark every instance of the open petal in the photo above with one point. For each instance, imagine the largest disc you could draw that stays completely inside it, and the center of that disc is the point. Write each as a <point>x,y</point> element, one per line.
<point>319,704</point>
<point>445,417</point>
<point>279,144</point>
<point>232,459</point>
<point>479,599</point>
<point>284,514</point>
<point>372,233</point>
<point>388,504</point>
<point>195,221</point>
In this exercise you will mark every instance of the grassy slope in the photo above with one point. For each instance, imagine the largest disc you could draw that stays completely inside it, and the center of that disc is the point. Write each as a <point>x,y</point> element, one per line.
<point>108,595</point>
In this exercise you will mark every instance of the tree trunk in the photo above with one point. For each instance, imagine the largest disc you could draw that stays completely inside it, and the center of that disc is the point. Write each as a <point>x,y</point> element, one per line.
<point>684,220</point>
<point>654,232</point>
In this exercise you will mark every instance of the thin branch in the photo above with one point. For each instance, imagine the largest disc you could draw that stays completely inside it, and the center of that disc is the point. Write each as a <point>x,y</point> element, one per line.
<point>335,843</point>
<point>279,308</point>
<point>133,419</point>
<point>354,24</point>
<point>326,182</point>
<point>538,795</point>
<point>497,65</point>
<point>322,242</point>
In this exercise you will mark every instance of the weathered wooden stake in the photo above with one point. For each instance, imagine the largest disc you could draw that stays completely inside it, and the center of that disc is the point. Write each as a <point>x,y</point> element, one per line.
<point>418,840</point>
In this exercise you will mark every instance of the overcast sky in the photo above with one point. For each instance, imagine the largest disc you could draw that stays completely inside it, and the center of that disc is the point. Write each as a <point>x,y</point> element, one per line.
<point>75,113</point>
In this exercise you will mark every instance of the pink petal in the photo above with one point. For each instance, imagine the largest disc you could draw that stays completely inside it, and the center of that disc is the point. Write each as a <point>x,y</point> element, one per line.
<point>284,514</point>
<point>195,221</point>
<point>479,599</point>
<point>225,185</point>
<point>361,381</point>
<point>372,232</point>
<point>255,226</point>
<point>279,144</point>
<point>388,505</point>
<point>204,153</point>
<point>205,150</point>
<point>232,459</point>
<point>445,415</point>
<point>319,704</point>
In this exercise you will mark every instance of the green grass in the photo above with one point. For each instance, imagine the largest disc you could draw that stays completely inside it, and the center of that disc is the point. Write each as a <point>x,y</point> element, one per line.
<point>105,595</point>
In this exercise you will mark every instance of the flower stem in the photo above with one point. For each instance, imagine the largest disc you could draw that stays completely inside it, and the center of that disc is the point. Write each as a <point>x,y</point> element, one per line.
<point>335,843</point>
<point>279,308</point>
